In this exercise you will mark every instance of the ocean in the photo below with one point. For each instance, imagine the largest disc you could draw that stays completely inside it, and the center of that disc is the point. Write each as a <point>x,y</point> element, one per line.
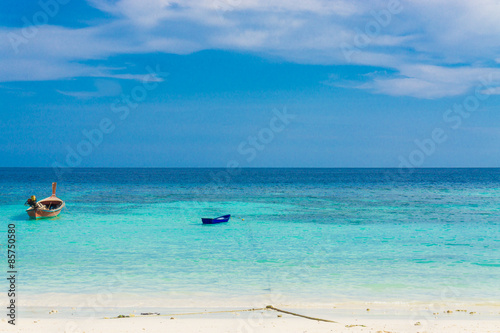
<point>311,234</point>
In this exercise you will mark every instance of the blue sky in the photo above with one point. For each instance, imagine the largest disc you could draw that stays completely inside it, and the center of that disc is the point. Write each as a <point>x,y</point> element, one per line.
<point>258,83</point>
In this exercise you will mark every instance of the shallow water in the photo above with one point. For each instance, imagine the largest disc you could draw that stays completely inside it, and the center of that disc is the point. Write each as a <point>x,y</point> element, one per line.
<point>350,234</point>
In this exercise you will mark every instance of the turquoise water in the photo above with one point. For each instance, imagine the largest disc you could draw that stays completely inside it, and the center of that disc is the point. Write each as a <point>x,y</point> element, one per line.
<point>332,234</point>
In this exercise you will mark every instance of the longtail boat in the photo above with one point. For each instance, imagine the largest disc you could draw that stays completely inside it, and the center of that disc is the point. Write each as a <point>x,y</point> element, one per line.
<point>48,207</point>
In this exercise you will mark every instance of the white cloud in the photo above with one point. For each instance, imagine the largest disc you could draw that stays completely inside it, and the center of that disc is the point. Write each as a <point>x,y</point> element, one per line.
<point>41,70</point>
<point>426,81</point>
<point>414,87</point>
<point>491,91</point>
<point>104,88</point>
<point>151,12</point>
<point>60,53</point>
<point>436,48</point>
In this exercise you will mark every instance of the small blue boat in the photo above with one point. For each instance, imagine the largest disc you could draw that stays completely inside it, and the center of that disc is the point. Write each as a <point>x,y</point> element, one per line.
<point>219,219</point>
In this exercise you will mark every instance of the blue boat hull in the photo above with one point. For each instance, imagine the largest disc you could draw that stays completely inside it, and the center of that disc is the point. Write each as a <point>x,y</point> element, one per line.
<point>220,219</point>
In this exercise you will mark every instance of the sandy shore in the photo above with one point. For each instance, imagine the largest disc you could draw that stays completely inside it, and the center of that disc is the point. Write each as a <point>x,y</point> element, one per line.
<point>348,317</point>
<point>267,323</point>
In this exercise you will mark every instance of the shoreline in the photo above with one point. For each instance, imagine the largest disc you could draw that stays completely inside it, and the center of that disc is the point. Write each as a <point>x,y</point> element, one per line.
<point>107,299</point>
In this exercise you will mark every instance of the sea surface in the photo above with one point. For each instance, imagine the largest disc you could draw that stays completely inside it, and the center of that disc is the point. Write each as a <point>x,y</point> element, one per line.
<point>327,234</point>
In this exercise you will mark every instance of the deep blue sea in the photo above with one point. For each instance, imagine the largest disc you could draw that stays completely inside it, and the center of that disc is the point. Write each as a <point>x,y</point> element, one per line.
<point>332,234</point>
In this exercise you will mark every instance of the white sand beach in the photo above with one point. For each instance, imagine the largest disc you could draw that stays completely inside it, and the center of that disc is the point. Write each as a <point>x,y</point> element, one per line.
<point>269,322</point>
<point>233,317</point>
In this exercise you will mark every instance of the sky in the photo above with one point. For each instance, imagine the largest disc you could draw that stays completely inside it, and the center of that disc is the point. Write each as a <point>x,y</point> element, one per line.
<point>249,83</point>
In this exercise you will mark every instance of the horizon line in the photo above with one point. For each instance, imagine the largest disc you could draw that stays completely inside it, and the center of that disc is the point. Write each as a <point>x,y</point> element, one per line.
<point>280,167</point>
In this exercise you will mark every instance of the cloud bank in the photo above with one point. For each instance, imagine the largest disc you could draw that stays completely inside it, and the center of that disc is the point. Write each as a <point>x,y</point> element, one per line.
<point>433,48</point>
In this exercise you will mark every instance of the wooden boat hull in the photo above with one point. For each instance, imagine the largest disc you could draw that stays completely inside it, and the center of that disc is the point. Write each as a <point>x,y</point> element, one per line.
<point>53,206</point>
<point>220,219</point>
<point>43,213</point>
